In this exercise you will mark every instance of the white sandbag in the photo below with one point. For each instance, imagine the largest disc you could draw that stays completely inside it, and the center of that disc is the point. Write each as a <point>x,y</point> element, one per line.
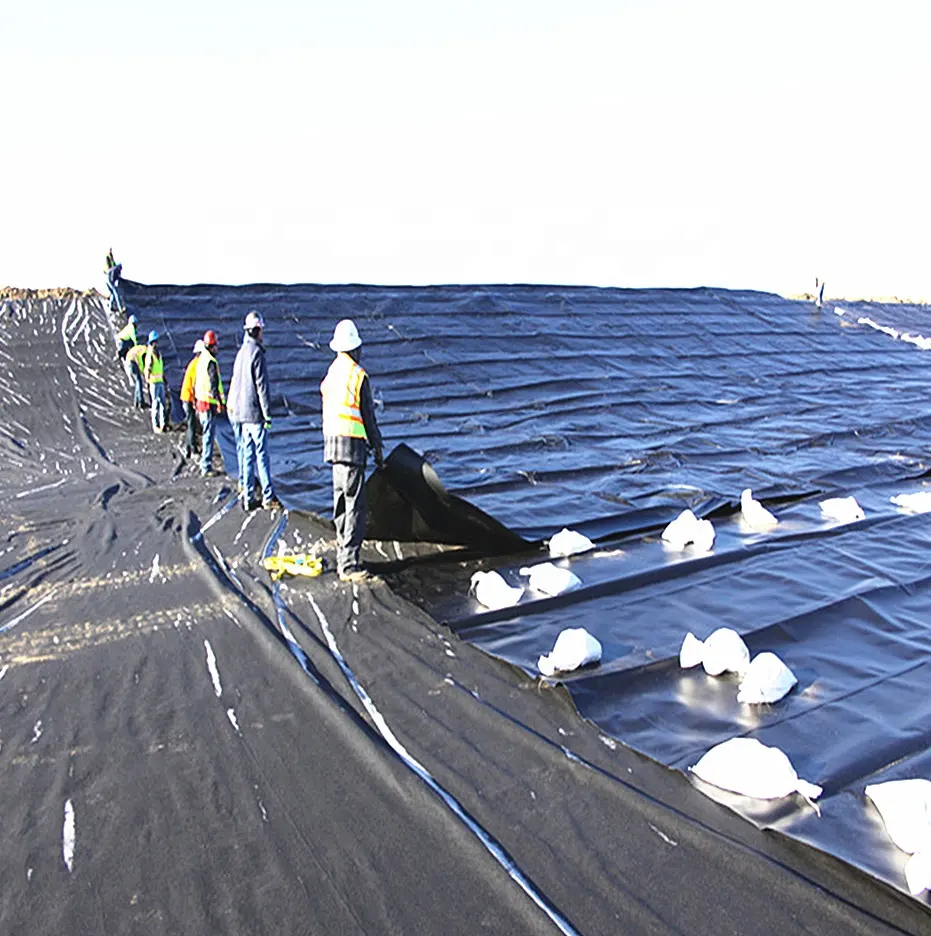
<point>905,807</point>
<point>574,647</point>
<point>842,509</point>
<point>745,766</point>
<point>493,592</point>
<point>686,529</point>
<point>754,514</point>
<point>551,579</point>
<point>691,651</point>
<point>919,502</point>
<point>918,872</point>
<point>725,652</point>
<point>569,543</point>
<point>767,679</point>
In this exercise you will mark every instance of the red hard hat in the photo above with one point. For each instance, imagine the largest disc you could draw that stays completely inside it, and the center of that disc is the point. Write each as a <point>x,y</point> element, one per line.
<point>210,337</point>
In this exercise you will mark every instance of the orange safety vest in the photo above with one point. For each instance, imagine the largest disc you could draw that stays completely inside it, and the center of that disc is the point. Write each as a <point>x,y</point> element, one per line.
<point>342,398</point>
<point>187,385</point>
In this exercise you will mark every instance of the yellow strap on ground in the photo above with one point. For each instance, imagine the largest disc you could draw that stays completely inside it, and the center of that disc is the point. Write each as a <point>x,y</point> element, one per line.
<point>294,565</point>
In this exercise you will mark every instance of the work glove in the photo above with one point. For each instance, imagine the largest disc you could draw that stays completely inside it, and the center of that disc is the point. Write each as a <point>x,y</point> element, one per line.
<point>268,424</point>
<point>379,458</point>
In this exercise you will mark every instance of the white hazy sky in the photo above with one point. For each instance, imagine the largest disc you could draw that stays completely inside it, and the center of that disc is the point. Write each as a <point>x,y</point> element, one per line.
<point>738,144</point>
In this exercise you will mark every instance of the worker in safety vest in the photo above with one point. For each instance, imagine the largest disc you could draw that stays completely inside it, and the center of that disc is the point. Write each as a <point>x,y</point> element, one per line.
<point>135,362</point>
<point>349,431</point>
<point>126,337</point>
<point>208,399</point>
<point>191,443</point>
<point>155,377</point>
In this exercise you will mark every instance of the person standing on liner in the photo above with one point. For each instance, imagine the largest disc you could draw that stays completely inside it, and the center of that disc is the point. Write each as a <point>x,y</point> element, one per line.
<point>248,408</point>
<point>208,399</point>
<point>187,401</point>
<point>155,378</point>
<point>349,431</point>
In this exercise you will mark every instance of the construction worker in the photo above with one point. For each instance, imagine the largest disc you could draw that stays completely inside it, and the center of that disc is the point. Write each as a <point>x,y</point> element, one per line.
<point>249,410</point>
<point>155,377</point>
<point>135,362</point>
<point>187,401</point>
<point>114,271</point>
<point>126,338</point>
<point>208,399</point>
<point>349,431</point>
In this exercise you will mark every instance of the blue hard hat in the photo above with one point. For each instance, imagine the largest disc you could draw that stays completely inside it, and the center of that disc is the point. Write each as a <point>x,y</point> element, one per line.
<point>153,336</point>
<point>132,320</point>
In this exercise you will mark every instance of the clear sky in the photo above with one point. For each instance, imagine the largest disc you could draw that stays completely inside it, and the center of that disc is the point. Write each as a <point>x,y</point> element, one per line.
<point>737,144</point>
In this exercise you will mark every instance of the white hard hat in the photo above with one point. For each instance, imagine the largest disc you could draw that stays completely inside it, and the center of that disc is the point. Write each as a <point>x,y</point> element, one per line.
<point>253,320</point>
<point>345,336</point>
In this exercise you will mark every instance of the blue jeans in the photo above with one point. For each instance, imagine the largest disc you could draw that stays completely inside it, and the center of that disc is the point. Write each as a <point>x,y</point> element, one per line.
<point>116,304</point>
<point>158,404</point>
<point>137,384</point>
<point>208,422</point>
<point>237,438</point>
<point>255,450</point>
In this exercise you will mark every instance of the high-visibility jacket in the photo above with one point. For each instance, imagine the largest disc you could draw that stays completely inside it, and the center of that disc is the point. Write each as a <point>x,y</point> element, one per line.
<point>154,366</point>
<point>127,333</point>
<point>136,354</point>
<point>187,385</point>
<point>203,392</point>
<point>342,398</point>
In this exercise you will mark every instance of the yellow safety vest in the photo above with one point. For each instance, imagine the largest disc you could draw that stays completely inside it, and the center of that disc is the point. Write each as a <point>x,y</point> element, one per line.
<point>342,398</point>
<point>137,353</point>
<point>155,366</point>
<point>202,380</point>
<point>128,333</point>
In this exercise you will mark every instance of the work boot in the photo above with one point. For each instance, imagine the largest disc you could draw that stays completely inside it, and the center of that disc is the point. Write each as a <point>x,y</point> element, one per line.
<point>356,575</point>
<point>273,503</point>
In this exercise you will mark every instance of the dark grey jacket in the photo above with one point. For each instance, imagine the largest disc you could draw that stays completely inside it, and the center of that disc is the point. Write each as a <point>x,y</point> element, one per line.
<point>247,401</point>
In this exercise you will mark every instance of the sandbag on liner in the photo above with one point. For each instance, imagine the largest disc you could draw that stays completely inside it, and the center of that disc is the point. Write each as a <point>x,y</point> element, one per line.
<point>493,592</point>
<point>767,679</point>
<point>842,509</point>
<point>574,647</point>
<point>723,652</point>
<point>918,502</point>
<point>568,543</point>
<point>551,579</point>
<point>905,807</point>
<point>686,529</point>
<point>745,766</point>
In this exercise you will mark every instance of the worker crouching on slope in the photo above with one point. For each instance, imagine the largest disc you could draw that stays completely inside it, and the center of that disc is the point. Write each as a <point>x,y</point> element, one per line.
<point>209,400</point>
<point>248,408</point>
<point>135,362</point>
<point>187,401</point>
<point>349,431</point>
<point>126,338</point>
<point>155,378</point>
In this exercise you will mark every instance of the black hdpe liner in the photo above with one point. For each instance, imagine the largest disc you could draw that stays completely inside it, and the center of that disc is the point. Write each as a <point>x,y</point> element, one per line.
<point>609,411</point>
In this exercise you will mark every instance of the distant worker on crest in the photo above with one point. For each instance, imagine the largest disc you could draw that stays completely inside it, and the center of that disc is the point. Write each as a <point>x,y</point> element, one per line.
<point>155,378</point>
<point>114,271</point>
<point>192,433</point>
<point>819,288</point>
<point>209,400</point>
<point>248,409</point>
<point>349,431</point>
